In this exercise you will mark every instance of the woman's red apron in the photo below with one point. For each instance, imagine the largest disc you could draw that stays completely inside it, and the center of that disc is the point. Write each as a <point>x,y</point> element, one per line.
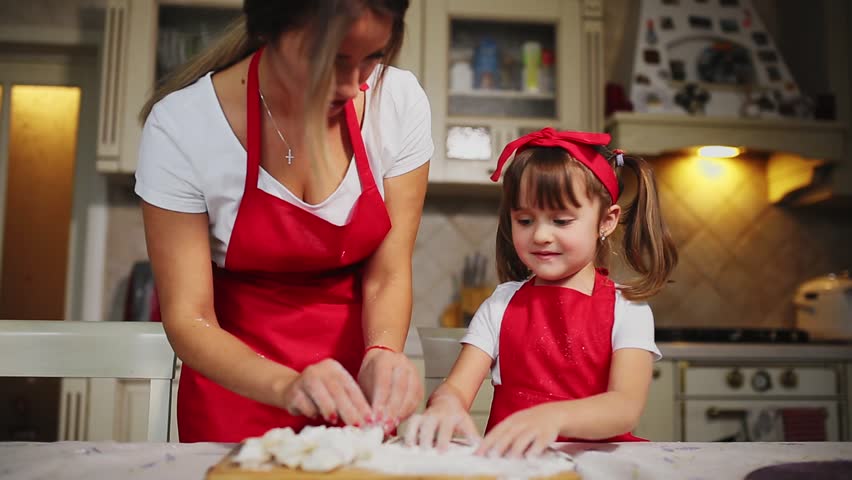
<point>290,290</point>
<point>555,344</point>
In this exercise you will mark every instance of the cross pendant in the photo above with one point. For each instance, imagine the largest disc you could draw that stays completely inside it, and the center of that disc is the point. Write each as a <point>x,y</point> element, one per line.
<point>289,157</point>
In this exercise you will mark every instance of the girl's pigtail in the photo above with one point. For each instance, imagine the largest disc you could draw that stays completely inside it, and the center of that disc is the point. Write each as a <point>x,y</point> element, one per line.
<point>648,245</point>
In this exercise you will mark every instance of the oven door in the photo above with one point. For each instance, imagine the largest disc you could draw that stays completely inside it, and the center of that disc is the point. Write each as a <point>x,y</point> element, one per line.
<point>760,420</point>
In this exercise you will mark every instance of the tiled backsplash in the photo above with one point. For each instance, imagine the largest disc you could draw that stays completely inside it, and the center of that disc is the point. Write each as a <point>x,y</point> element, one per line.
<point>740,257</point>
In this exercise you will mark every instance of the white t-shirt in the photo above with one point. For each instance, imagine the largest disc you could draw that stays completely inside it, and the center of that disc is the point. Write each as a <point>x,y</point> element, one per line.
<point>190,160</point>
<point>633,325</point>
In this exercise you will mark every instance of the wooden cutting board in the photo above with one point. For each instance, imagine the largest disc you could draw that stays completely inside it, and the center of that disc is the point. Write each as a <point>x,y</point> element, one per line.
<point>226,469</point>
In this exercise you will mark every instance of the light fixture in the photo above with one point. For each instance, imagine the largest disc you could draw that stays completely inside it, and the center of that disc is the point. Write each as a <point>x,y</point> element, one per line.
<point>718,151</point>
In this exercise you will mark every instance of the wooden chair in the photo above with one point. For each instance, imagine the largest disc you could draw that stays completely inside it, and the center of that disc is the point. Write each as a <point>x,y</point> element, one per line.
<point>75,349</point>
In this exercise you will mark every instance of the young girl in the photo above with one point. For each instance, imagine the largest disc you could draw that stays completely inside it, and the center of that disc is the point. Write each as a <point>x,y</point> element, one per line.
<point>570,352</point>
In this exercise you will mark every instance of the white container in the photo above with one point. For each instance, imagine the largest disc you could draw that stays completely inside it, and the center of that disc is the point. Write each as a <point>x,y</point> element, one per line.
<point>824,307</point>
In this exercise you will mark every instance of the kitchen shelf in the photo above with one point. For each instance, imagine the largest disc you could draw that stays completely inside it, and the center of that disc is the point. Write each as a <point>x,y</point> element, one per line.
<point>502,94</point>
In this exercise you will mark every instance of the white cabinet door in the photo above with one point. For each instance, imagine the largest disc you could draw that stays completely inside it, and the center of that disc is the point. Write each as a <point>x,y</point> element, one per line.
<point>129,66</point>
<point>658,420</point>
<point>480,101</point>
<point>127,78</point>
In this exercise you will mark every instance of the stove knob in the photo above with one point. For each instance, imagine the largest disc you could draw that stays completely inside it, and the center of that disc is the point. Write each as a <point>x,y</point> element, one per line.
<point>789,379</point>
<point>735,378</point>
<point>761,381</point>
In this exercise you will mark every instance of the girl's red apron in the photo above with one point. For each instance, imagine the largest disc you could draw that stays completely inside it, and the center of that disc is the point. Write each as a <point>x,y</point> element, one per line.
<point>555,344</point>
<point>290,290</point>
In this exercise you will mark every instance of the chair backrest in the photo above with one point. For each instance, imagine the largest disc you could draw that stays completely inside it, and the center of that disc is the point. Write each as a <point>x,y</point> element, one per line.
<point>441,348</point>
<point>132,350</point>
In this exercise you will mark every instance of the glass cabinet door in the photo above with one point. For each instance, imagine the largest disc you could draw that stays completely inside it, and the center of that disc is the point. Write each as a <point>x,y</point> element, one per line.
<point>185,30</point>
<point>501,69</point>
<point>495,69</point>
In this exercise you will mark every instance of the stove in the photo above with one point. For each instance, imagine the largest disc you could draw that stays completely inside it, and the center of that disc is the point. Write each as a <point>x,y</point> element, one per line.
<point>731,335</point>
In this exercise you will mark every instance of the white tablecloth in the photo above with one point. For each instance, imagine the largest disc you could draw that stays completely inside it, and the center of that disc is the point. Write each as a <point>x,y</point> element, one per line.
<point>162,461</point>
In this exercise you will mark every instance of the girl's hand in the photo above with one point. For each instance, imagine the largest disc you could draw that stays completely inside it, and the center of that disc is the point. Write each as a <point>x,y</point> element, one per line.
<point>435,427</point>
<point>392,385</point>
<point>326,389</point>
<point>524,433</point>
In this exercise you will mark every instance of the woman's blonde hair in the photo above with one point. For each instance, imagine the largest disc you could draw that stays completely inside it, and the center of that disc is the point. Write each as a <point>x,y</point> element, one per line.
<point>263,21</point>
<point>543,176</point>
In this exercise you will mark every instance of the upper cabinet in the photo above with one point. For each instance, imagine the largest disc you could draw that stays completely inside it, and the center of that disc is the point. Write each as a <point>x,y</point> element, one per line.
<point>144,40</point>
<point>493,70</point>
<point>497,69</point>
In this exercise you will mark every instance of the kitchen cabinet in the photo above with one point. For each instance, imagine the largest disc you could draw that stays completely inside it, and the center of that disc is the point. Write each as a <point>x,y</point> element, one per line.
<point>496,69</point>
<point>658,420</point>
<point>142,39</point>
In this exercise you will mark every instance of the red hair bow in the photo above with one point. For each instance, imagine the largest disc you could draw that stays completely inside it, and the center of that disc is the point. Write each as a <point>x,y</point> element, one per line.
<point>579,144</point>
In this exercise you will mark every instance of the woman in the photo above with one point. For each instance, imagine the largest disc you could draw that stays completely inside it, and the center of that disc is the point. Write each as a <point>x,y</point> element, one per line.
<point>245,165</point>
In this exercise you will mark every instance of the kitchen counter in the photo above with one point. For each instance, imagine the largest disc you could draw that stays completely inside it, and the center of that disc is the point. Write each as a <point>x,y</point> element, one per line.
<point>164,461</point>
<point>755,351</point>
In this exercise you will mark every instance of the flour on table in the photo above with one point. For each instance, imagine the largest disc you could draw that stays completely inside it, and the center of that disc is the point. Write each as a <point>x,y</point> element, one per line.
<point>322,449</point>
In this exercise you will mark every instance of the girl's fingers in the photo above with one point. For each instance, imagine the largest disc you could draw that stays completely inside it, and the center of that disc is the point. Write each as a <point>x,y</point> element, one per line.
<point>426,436</point>
<point>446,428</point>
<point>538,446</point>
<point>412,430</point>
<point>501,445</point>
<point>521,443</point>
<point>468,429</point>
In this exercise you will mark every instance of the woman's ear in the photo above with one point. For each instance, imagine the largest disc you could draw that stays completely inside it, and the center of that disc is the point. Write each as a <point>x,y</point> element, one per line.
<point>609,221</point>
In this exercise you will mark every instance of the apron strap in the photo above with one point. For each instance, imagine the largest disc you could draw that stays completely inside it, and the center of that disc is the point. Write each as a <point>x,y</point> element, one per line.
<point>253,123</point>
<point>361,160</point>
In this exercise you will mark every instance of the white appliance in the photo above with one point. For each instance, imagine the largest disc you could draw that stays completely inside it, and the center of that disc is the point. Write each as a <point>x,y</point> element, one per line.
<point>760,402</point>
<point>824,307</point>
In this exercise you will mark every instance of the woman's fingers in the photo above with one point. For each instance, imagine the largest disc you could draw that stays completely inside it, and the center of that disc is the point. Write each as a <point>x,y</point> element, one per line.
<point>358,411</point>
<point>301,404</point>
<point>398,389</point>
<point>381,392</point>
<point>413,395</point>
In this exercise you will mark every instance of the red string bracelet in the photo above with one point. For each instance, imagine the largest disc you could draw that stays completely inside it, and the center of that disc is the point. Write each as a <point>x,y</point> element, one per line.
<point>379,347</point>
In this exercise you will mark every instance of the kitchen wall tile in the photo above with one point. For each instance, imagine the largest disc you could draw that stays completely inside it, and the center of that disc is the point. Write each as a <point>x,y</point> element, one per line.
<point>741,258</point>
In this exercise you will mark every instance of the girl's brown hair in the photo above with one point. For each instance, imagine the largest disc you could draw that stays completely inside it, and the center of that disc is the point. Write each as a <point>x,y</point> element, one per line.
<point>542,177</point>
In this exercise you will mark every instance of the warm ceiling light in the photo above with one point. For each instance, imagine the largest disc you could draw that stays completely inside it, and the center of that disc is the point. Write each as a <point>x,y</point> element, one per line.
<point>718,151</point>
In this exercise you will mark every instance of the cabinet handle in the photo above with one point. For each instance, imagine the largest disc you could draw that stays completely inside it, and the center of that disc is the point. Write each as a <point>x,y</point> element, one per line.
<point>112,78</point>
<point>656,374</point>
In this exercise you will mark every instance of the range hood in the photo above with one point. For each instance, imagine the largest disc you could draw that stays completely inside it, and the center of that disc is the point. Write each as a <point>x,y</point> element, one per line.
<point>711,73</point>
<point>804,156</point>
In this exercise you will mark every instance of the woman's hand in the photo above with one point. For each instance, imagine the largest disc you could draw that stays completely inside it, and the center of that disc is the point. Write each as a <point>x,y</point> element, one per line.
<point>524,433</point>
<point>326,389</point>
<point>392,385</point>
<point>435,427</point>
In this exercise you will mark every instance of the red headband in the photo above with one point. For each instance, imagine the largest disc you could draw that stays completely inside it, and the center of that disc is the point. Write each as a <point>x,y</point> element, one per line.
<point>579,144</point>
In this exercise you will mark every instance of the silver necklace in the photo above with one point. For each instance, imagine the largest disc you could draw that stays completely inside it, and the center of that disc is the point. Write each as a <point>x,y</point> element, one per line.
<point>289,155</point>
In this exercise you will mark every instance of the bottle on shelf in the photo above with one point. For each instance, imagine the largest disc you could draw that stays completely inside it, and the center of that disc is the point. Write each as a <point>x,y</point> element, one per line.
<point>486,64</point>
<point>531,55</point>
<point>546,75</point>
